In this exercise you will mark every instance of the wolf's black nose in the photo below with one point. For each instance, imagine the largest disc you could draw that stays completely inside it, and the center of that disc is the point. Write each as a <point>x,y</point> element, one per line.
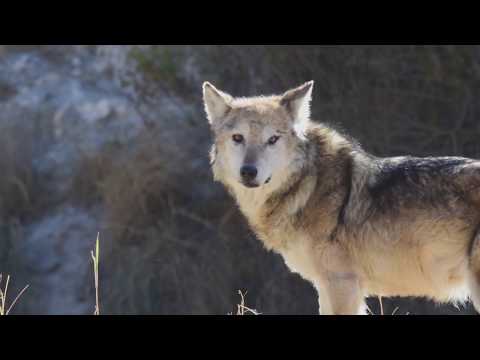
<point>248,172</point>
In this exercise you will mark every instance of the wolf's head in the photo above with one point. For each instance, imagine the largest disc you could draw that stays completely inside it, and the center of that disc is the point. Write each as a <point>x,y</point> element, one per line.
<point>256,139</point>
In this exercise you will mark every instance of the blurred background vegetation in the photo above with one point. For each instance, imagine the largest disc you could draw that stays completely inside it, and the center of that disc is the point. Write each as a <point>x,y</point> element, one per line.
<point>113,139</point>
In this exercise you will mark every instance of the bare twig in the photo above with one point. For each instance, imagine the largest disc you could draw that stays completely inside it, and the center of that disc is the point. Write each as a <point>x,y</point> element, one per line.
<point>242,309</point>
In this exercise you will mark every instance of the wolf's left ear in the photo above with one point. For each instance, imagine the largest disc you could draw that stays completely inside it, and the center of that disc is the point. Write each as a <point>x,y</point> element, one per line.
<point>297,102</point>
<point>217,103</point>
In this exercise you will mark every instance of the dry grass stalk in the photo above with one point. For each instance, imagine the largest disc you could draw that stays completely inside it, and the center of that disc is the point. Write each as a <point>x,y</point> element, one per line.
<point>3,297</point>
<point>95,259</point>
<point>382,313</point>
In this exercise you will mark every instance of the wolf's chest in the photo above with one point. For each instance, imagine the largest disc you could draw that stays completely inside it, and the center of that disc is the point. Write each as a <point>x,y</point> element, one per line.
<point>299,258</point>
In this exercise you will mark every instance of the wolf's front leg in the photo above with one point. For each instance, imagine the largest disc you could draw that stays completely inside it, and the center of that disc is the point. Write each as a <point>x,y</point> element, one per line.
<point>340,294</point>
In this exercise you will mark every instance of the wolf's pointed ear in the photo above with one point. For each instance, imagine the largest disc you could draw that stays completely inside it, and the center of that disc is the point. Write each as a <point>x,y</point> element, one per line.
<point>217,103</point>
<point>297,102</point>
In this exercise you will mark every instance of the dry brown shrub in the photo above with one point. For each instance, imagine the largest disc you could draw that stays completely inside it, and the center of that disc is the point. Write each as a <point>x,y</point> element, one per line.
<point>21,184</point>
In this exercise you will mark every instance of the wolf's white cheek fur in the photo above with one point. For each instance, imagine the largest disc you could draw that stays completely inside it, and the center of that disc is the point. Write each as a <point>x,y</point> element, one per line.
<point>273,163</point>
<point>264,167</point>
<point>234,159</point>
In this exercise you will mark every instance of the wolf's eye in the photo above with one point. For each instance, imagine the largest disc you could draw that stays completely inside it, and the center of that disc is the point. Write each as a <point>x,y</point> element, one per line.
<point>273,140</point>
<point>237,138</point>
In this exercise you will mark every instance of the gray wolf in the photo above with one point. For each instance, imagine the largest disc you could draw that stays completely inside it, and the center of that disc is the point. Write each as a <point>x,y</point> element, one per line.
<point>353,224</point>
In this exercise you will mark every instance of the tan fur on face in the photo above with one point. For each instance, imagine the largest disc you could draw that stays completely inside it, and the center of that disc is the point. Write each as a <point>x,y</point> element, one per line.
<point>351,224</point>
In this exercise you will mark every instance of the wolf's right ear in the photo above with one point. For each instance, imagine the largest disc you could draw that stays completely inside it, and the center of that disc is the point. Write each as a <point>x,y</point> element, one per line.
<point>217,103</point>
<point>297,102</point>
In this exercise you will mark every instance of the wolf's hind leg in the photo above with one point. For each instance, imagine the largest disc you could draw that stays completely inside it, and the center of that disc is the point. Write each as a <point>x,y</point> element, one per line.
<point>474,276</point>
<point>474,287</point>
